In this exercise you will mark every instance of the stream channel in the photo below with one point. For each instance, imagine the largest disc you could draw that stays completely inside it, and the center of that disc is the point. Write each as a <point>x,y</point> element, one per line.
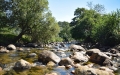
<point>7,60</point>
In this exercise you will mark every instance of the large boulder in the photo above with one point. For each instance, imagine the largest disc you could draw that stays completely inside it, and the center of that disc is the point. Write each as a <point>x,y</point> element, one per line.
<point>22,64</point>
<point>11,47</point>
<point>98,57</point>
<point>91,51</point>
<point>79,57</point>
<point>85,70</point>
<point>66,61</point>
<point>76,47</point>
<point>46,56</point>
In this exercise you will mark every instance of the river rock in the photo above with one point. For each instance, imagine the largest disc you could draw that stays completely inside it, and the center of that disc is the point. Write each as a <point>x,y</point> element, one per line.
<point>50,63</point>
<point>117,47</point>
<point>62,45</point>
<point>34,45</point>
<point>108,62</point>
<point>105,69</point>
<point>11,47</point>
<point>32,55</point>
<point>79,57</point>
<point>68,66</point>
<point>84,70</point>
<point>90,51</point>
<point>22,64</point>
<point>113,51</point>
<point>46,56</point>
<point>66,61</point>
<point>61,53</point>
<point>3,49</point>
<point>53,73</point>
<point>97,56</point>
<point>20,49</point>
<point>76,65</point>
<point>76,47</point>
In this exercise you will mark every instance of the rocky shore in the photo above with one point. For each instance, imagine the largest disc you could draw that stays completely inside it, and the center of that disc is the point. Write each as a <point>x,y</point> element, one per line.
<point>83,61</point>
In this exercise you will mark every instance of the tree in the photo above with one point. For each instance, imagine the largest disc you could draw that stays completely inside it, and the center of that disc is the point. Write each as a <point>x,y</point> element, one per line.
<point>84,24</point>
<point>3,16</point>
<point>95,26</point>
<point>65,31</point>
<point>110,30</point>
<point>46,31</point>
<point>26,14</point>
<point>97,7</point>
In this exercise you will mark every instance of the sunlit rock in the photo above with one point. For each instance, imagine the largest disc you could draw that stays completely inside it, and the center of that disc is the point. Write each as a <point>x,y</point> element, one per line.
<point>46,56</point>
<point>22,64</point>
<point>76,47</point>
<point>11,47</point>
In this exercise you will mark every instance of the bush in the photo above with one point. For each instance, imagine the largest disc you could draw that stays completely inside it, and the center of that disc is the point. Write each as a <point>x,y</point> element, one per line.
<point>6,39</point>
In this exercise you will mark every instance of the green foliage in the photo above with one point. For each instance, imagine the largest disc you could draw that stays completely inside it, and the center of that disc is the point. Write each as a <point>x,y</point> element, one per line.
<point>94,26</point>
<point>97,7</point>
<point>110,30</point>
<point>56,39</point>
<point>6,38</point>
<point>46,32</point>
<point>31,18</point>
<point>26,15</point>
<point>65,31</point>
<point>3,16</point>
<point>84,24</point>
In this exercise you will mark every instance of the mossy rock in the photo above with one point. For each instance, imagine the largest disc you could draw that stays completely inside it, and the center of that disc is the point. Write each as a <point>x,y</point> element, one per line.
<point>38,70</point>
<point>88,62</point>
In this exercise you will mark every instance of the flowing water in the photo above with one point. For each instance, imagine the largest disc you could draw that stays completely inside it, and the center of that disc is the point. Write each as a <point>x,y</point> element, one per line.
<point>7,60</point>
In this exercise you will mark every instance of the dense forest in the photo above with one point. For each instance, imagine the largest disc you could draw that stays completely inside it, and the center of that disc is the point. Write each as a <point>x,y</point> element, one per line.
<point>24,21</point>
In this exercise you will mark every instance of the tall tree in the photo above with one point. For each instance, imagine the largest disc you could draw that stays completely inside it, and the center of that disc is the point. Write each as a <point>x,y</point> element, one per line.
<point>84,23</point>
<point>26,14</point>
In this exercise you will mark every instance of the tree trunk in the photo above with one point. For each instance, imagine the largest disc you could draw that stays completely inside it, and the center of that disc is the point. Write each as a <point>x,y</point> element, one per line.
<point>18,37</point>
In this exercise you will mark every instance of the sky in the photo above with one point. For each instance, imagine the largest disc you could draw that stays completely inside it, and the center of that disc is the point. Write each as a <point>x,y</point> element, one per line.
<point>63,10</point>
